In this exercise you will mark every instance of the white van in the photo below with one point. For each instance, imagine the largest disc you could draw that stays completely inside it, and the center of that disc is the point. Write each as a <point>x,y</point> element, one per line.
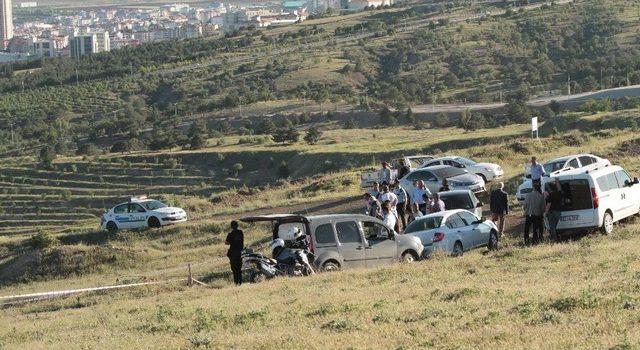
<point>596,198</point>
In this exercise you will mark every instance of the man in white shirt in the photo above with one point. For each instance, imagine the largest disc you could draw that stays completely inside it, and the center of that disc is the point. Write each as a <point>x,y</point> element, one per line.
<point>417,195</point>
<point>390,197</point>
<point>385,174</point>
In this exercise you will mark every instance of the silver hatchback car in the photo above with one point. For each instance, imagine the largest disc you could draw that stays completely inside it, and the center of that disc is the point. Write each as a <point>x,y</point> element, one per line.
<point>348,240</point>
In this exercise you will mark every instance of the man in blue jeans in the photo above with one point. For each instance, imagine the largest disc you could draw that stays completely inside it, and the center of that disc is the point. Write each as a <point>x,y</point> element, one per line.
<point>537,171</point>
<point>553,209</point>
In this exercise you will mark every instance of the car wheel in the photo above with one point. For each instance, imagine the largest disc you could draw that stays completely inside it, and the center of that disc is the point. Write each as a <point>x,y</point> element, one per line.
<point>607,223</point>
<point>112,227</point>
<point>493,241</point>
<point>330,266</point>
<point>154,222</point>
<point>408,257</point>
<point>257,277</point>
<point>457,249</point>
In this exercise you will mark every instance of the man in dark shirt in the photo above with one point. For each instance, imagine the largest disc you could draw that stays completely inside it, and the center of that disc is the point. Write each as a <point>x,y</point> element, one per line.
<point>553,209</point>
<point>499,205</point>
<point>235,241</point>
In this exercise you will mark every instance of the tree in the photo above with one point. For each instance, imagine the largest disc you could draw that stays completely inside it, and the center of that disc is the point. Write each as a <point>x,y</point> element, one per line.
<point>283,170</point>
<point>387,117</point>
<point>441,120</point>
<point>409,117</point>
<point>292,135</point>
<point>555,107</point>
<point>120,146</point>
<point>197,138</point>
<point>46,157</point>
<point>279,135</point>
<point>465,118</point>
<point>87,149</point>
<point>312,136</point>
<point>266,127</point>
<point>237,167</point>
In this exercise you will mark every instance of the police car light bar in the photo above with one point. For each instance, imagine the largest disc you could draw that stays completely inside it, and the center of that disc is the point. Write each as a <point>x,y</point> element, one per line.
<point>139,198</point>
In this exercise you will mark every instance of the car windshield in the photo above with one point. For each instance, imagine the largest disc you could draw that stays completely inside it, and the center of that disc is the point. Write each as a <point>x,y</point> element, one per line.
<point>457,201</point>
<point>153,205</point>
<point>465,161</point>
<point>554,166</point>
<point>448,172</point>
<point>424,224</point>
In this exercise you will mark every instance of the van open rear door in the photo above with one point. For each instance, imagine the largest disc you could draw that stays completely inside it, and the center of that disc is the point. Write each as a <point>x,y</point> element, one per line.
<point>280,218</point>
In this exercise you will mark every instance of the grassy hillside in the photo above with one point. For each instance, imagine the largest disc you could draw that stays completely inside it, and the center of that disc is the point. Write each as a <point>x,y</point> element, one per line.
<point>579,294</point>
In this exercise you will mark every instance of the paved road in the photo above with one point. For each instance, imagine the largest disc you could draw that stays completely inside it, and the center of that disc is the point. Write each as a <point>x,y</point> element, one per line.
<point>615,93</point>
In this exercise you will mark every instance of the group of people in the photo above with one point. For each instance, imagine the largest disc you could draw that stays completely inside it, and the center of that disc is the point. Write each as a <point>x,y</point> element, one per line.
<point>539,204</point>
<point>397,208</point>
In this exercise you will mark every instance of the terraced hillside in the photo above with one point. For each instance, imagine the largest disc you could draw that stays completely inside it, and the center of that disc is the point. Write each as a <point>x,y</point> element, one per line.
<point>76,193</point>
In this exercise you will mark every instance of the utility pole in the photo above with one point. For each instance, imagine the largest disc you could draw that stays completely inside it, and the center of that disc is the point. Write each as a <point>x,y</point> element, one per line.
<point>433,98</point>
<point>601,87</point>
<point>568,84</point>
<point>77,79</point>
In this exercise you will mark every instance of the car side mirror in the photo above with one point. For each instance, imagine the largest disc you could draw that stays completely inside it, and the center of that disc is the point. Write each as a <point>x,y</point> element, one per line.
<point>636,181</point>
<point>392,235</point>
<point>483,219</point>
<point>479,205</point>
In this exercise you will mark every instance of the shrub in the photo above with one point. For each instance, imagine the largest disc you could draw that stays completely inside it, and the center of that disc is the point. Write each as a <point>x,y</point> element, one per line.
<point>43,240</point>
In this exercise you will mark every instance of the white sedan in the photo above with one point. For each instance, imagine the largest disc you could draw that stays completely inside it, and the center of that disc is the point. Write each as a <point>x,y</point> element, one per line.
<point>141,213</point>
<point>453,231</point>
<point>488,171</point>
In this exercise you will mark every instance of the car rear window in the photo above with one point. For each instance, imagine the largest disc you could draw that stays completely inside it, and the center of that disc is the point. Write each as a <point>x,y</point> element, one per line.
<point>424,224</point>
<point>457,201</point>
<point>324,234</point>
<point>576,195</point>
<point>348,232</point>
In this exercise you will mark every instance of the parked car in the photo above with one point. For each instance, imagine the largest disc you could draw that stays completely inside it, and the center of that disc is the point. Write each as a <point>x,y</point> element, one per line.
<point>596,198</point>
<point>141,212</point>
<point>453,231</point>
<point>349,240</point>
<point>462,199</point>
<point>459,179</point>
<point>558,166</point>
<point>414,162</point>
<point>488,171</point>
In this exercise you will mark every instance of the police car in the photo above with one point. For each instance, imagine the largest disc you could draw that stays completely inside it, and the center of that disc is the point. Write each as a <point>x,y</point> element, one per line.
<point>141,212</point>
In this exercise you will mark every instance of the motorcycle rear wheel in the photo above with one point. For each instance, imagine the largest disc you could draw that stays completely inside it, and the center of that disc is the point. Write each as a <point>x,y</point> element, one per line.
<point>257,277</point>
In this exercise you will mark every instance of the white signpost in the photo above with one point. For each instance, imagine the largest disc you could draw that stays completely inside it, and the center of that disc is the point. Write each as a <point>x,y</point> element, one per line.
<point>534,127</point>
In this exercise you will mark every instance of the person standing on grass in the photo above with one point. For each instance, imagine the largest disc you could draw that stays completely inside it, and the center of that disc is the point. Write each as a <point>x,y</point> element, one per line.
<point>553,209</point>
<point>385,174</point>
<point>534,208</point>
<point>537,171</point>
<point>499,205</point>
<point>235,241</point>
<point>401,207</point>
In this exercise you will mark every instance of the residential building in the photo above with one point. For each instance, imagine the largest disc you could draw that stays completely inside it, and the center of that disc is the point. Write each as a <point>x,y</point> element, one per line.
<point>6,20</point>
<point>84,44</point>
<point>44,47</point>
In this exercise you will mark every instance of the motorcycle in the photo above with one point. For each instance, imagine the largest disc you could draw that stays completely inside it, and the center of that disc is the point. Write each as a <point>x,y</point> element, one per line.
<point>289,262</point>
